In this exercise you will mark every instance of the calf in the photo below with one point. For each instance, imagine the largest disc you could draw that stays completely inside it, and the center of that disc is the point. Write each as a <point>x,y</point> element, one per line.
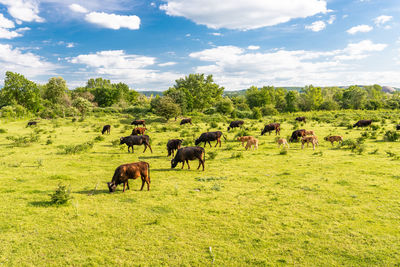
<point>309,139</point>
<point>210,136</point>
<point>235,124</point>
<point>301,119</point>
<point>184,121</point>
<point>271,127</point>
<point>139,122</point>
<point>139,130</point>
<point>244,139</point>
<point>189,153</point>
<point>362,123</point>
<point>106,128</point>
<point>130,171</point>
<point>252,142</point>
<point>172,145</point>
<point>136,140</point>
<point>31,123</point>
<point>282,142</point>
<point>334,138</point>
<point>309,133</point>
<point>296,134</point>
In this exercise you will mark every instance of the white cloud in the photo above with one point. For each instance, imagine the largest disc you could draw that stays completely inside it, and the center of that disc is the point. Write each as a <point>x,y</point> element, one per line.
<point>6,23</point>
<point>331,19</point>
<point>6,34</point>
<point>379,21</point>
<point>237,68</point>
<point>243,14</point>
<point>316,26</point>
<point>23,10</point>
<point>359,28</point>
<point>113,21</point>
<point>253,47</point>
<point>78,8</point>
<point>70,45</point>
<point>216,34</point>
<point>166,64</point>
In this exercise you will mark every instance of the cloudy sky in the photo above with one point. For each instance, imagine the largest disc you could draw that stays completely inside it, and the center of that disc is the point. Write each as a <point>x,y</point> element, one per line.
<point>149,44</point>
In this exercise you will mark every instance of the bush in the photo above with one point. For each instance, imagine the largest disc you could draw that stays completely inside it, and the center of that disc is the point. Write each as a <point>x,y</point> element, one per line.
<point>269,110</point>
<point>61,196</point>
<point>75,149</point>
<point>2,130</point>
<point>211,155</point>
<point>391,136</point>
<point>257,113</point>
<point>224,106</point>
<point>237,155</point>
<point>99,138</point>
<point>213,124</point>
<point>24,140</point>
<point>283,151</point>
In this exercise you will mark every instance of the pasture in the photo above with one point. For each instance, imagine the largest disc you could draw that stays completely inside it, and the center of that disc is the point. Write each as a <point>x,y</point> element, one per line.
<point>331,206</point>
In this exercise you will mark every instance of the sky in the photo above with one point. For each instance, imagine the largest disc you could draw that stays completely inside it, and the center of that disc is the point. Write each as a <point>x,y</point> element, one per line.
<point>150,44</point>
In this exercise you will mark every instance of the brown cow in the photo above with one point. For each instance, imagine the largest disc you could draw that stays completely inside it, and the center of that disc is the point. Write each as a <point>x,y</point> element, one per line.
<point>139,130</point>
<point>270,127</point>
<point>309,133</point>
<point>130,171</point>
<point>252,142</point>
<point>334,138</point>
<point>282,142</point>
<point>301,119</point>
<point>139,122</point>
<point>296,134</point>
<point>309,139</point>
<point>244,139</point>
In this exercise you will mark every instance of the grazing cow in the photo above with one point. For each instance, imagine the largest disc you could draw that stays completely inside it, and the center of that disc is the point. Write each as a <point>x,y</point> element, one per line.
<point>301,119</point>
<point>362,123</point>
<point>130,171</point>
<point>235,124</point>
<point>334,138</point>
<point>296,134</point>
<point>210,136</point>
<point>189,153</point>
<point>106,128</point>
<point>252,142</point>
<point>309,133</point>
<point>244,139</point>
<point>309,139</point>
<point>136,140</point>
<point>173,145</point>
<point>184,121</point>
<point>271,127</point>
<point>398,127</point>
<point>282,142</point>
<point>139,122</point>
<point>31,123</point>
<point>138,130</point>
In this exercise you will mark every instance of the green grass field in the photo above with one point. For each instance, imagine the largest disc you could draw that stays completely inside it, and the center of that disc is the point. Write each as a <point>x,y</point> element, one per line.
<point>325,207</point>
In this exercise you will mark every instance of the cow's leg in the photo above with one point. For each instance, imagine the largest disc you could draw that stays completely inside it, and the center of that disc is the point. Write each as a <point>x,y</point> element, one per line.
<point>145,147</point>
<point>151,150</point>
<point>209,143</point>
<point>187,162</point>
<point>141,188</point>
<point>205,142</point>
<point>148,183</point>
<point>202,163</point>
<point>183,164</point>
<point>127,184</point>
<point>302,145</point>
<point>124,187</point>
<point>199,163</point>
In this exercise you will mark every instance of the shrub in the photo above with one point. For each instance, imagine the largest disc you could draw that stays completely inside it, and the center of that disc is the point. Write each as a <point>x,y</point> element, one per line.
<point>75,149</point>
<point>242,132</point>
<point>23,140</point>
<point>269,110</point>
<point>283,151</point>
<point>99,138</point>
<point>391,136</point>
<point>2,130</point>
<point>213,124</point>
<point>211,155</point>
<point>237,155</point>
<point>257,113</point>
<point>115,142</point>
<point>61,196</point>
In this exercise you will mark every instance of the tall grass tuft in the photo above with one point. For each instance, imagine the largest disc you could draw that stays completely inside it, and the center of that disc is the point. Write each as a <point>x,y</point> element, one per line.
<point>61,196</point>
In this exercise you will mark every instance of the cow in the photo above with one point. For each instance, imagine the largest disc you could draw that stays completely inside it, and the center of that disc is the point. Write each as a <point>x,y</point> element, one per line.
<point>139,130</point>
<point>136,140</point>
<point>362,123</point>
<point>31,123</point>
<point>210,136</point>
<point>282,142</point>
<point>130,171</point>
<point>301,119</point>
<point>271,127</point>
<point>244,139</point>
<point>172,145</point>
<point>139,122</point>
<point>296,134</point>
<point>184,121</point>
<point>309,133</point>
<point>309,139</point>
<point>189,153</point>
<point>106,129</point>
<point>235,124</point>
<point>334,138</point>
<point>252,142</point>
<point>398,127</point>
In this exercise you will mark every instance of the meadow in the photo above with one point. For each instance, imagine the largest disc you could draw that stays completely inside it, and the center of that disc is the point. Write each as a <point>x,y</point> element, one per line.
<point>332,206</point>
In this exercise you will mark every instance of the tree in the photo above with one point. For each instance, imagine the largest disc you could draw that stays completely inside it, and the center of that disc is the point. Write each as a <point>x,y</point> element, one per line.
<point>165,107</point>
<point>354,98</point>
<point>55,90</point>
<point>19,90</point>
<point>82,104</point>
<point>311,98</point>
<point>224,106</point>
<point>178,96</point>
<point>291,101</point>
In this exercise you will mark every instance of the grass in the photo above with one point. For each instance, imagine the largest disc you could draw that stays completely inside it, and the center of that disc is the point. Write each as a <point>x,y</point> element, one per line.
<point>304,208</point>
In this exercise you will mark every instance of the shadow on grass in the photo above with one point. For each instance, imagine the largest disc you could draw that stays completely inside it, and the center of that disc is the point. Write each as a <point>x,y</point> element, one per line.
<point>151,157</point>
<point>41,204</point>
<point>91,192</point>
<point>163,170</point>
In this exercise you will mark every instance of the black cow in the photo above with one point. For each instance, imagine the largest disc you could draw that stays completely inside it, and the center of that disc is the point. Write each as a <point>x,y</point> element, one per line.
<point>301,119</point>
<point>173,145</point>
<point>296,134</point>
<point>136,140</point>
<point>31,123</point>
<point>139,122</point>
<point>210,136</point>
<point>106,128</point>
<point>362,123</point>
<point>398,127</point>
<point>271,127</point>
<point>235,124</point>
<point>189,153</point>
<point>184,121</point>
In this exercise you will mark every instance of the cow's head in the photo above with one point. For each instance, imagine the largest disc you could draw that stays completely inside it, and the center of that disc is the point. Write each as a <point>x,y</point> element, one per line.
<point>263,132</point>
<point>121,141</point>
<point>111,186</point>
<point>197,142</point>
<point>174,162</point>
<point>229,128</point>
<point>326,138</point>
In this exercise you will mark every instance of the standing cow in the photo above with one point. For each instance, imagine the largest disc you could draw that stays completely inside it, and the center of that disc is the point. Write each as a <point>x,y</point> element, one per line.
<point>136,140</point>
<point>301,119</point>
<point>106,129</point>
<point>139,130</point>
<point>296,134</point>
<point>130,171</point>
<point>172,145</point>
<point>139,122</point>
<point>184,121</point>
<point>272,127</point>
<point>189,153</point>
<point>362,123</point>
<point>235,124</point>
<point>210,136</point>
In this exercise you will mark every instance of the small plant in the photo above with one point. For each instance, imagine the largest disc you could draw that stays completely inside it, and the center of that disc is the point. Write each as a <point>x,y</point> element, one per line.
<point>75,149</point>
<point>374,152</point>
<point>2,130</point>
<point>23,140</point>
<point>61,196</point>
<point>391,136</point>
<point>392,155</point>
<point>212,154</point>
<point>49,141</point>
<point>115,142</point>
<point>216,187</point>
<point>213,124</point>
<point>39,162</point>
<point>99,138</point>
<point>237,155</point>
<point>283,151</point>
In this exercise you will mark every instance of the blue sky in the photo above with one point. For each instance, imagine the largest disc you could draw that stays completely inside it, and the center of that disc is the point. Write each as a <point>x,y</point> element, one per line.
<point>150,44</point>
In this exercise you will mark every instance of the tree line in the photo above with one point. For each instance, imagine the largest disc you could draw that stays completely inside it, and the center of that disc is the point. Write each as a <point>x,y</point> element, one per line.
<point>193,93</point>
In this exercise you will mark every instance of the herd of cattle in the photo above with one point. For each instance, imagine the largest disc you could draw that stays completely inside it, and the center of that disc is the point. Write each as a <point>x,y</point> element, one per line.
<point>186,154</point>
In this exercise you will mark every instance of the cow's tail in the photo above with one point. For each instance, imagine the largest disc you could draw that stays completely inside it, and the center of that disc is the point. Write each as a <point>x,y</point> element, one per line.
<point>224,136</point>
